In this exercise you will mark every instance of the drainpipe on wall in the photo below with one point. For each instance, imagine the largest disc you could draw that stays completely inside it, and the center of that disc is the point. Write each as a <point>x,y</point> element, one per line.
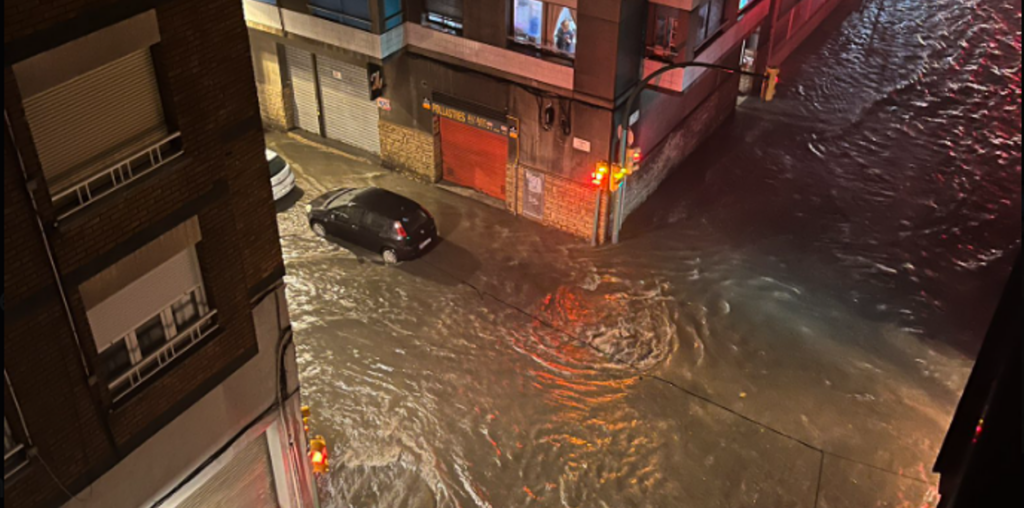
<point>30,187</point>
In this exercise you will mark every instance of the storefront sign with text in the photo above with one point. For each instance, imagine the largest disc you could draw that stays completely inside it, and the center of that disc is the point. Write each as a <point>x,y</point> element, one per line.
<point>469,119</point>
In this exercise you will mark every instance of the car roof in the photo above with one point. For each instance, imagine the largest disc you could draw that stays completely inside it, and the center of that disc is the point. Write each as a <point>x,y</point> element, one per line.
<point>385,202</point>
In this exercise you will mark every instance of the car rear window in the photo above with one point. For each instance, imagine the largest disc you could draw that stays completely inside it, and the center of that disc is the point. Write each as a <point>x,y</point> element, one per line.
<point>416,219</point>
<point>277,165</point>
<point>379,223</point>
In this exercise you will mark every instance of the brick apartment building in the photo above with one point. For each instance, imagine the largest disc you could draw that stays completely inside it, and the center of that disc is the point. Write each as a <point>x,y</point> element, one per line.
<point>517,99</point>
<point>147,346</point>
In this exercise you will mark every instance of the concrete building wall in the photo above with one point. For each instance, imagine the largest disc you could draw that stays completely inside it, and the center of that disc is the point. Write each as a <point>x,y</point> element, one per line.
<point>201,431</point>
<point>683,141</point>
<point>597,61</point>
<point>271,88</point>
<point>632,45</point>
<point>552,149</point>
<point>413,78</point>
<point>487,21</point>
<point>796,20</point>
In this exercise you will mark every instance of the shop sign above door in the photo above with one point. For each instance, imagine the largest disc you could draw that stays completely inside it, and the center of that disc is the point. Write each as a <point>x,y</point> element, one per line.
<point>471,119</point>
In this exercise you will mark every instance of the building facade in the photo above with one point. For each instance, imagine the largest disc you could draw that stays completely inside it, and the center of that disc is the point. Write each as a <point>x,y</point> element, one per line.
<point>147,347</point>
<point>518,100</point>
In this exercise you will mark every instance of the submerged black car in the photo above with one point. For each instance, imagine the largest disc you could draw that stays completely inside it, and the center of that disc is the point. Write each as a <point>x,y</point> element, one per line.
<point>393,226</point>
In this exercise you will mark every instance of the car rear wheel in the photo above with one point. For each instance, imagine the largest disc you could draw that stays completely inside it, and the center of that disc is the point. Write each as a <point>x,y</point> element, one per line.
<point>319,230</point>
<point>390,256</point>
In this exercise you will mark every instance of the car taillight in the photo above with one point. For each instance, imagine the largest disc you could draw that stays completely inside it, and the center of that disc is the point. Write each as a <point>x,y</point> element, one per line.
<point>400,231</point>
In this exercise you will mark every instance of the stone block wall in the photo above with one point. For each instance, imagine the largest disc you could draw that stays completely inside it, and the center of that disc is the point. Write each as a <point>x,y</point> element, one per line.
<point>568,205</point>
<point>408,150</point>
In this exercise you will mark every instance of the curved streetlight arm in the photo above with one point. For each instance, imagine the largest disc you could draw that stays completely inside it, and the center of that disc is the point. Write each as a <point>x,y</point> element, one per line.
<point>642,85</point>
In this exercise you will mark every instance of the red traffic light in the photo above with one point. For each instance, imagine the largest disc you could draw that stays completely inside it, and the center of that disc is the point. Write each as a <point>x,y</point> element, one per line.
<point>318,455</point>
<point>600,173</point>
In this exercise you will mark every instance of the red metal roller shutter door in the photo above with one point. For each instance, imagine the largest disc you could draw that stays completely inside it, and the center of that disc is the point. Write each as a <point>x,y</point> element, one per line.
<point>474,158</point>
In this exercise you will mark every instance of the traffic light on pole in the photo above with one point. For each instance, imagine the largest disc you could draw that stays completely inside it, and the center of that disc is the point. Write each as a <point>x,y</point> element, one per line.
<point>305,418</point>
<point>633,159</point>
<point>318,455</point>
<point>618,173</point>
<point>771,81</point>
<point>601,174</point>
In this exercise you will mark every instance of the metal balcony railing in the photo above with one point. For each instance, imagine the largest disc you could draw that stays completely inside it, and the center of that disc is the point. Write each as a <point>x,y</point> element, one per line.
<point>153,364</point>
<point>14,457</point>
<point>104,183</point>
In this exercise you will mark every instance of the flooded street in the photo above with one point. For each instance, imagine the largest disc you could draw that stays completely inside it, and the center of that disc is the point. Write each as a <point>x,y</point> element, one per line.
<point>788,322</point>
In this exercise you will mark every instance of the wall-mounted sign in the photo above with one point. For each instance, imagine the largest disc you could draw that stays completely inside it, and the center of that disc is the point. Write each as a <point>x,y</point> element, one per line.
<point>376,75</point>
<point>533,195</point>
<point>479,122</point>
<point>634,118</point>
<point>581,145</point>
<point>336,74</point>
<point>384,104</point>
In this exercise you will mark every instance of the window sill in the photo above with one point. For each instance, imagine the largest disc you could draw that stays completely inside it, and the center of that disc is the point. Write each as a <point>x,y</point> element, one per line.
<point>662,55</point>
<point>84,195</point>
<point>444,30</point>
<point>548,55</point>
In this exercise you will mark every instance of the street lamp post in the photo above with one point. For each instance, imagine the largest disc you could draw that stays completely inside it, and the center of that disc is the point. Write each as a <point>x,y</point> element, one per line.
<point>768,93</point>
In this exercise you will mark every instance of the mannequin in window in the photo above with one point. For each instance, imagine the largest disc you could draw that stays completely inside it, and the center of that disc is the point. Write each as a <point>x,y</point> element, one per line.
<point>565,37</point>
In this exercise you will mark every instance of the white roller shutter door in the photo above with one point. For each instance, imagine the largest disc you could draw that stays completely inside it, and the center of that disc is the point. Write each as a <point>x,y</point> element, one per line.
<point>303,81</point>
<point>349,114</point>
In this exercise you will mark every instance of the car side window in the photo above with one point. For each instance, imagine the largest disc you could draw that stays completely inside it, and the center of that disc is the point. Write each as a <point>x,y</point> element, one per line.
<point>350,214</point>
<point>377,223</point>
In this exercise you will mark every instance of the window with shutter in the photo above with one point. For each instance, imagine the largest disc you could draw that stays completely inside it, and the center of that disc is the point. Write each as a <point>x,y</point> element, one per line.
<point>146,310</point>
<point>96,120</point>
<point>96,114</point>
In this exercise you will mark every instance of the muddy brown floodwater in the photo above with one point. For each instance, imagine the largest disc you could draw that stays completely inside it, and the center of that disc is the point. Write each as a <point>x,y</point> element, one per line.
<point>789,321</point>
